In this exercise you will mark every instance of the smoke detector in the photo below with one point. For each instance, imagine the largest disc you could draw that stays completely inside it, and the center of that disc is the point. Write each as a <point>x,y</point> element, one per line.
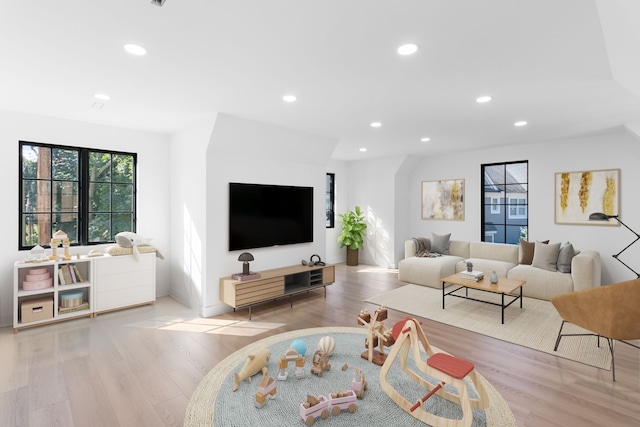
<point>158,2</point>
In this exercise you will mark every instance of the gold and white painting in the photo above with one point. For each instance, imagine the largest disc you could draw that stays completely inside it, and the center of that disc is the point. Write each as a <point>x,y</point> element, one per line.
<point>579,194</point>
<point>443,199</point>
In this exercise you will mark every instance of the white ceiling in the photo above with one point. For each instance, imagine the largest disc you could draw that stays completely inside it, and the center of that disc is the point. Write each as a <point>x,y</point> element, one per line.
<point>562,65</point>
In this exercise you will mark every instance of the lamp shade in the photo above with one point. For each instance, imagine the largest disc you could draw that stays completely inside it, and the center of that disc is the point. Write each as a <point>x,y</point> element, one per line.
<point>245,256</point>
<point>599,216</point>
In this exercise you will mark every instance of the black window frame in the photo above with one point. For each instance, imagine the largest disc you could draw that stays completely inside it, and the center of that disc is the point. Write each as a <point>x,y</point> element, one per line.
<point>84,181</point>
<point>330,200</point>
<point>504,204</point>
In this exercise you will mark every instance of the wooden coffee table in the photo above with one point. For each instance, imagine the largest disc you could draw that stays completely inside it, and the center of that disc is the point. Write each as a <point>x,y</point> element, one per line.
<point>503,287</point>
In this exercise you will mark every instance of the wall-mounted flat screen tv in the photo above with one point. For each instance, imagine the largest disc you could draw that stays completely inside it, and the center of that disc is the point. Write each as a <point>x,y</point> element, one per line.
<point>269,215</point>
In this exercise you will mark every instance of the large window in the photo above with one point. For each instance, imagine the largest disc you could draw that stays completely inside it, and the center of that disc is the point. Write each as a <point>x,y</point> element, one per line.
<point>330,200</point>
<point>88,194</point>
<point>505,202</point>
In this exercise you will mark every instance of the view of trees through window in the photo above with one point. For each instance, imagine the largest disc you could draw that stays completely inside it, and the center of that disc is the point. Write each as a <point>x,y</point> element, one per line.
<point>505,204</point>
<point>330,200</point>
<point>88,194</point>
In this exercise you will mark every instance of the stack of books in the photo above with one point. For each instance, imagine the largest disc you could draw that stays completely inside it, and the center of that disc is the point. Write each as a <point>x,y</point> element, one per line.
<point>472,275</point>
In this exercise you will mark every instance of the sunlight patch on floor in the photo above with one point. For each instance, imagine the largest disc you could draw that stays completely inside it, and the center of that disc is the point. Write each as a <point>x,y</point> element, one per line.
<point>245,328</point>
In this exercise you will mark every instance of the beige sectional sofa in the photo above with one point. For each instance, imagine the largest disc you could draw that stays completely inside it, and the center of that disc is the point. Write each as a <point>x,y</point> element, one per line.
<point>504,260</point>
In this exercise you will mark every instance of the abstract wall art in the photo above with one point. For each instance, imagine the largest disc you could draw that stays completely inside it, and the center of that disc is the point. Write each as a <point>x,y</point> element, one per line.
<point>579,194</point>
<point>443,199</point>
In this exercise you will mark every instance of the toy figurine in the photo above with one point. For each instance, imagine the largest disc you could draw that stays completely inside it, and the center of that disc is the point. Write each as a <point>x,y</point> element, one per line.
<point>256,362</point>
<point>266,388</point>
<point>291,355</point>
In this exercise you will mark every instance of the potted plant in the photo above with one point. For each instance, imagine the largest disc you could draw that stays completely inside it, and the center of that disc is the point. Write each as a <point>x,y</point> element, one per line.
<point>352,233</point>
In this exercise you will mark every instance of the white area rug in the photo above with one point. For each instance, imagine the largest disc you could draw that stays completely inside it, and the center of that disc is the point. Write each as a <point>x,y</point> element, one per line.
<point>535,326</point>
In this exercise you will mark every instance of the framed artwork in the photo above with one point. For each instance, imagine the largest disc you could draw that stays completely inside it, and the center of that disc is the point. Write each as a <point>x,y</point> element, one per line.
<point>579,194</point>
<point>443,199</point>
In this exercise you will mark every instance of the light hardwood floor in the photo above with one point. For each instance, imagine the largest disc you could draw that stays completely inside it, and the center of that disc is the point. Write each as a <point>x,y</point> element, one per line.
<point>138,367</point>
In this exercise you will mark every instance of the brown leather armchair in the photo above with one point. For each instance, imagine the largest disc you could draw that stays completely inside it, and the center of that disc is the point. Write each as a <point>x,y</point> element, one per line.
<point>610,311</point>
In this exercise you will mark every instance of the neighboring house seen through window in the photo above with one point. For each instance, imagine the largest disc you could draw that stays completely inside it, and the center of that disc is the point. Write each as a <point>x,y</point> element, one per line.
<point>505,202</point>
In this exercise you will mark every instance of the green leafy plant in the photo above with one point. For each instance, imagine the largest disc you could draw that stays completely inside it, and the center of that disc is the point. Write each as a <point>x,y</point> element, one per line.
<point>353,228</point>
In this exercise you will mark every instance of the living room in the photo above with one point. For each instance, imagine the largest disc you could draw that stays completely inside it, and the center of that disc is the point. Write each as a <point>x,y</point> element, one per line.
<point>182,193</point>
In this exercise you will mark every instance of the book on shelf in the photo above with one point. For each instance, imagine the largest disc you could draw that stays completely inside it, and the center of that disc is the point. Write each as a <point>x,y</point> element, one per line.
<point>69,274</point>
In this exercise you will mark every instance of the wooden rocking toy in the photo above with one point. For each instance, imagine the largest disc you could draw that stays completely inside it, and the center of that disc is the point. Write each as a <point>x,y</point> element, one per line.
<point>408,336</point>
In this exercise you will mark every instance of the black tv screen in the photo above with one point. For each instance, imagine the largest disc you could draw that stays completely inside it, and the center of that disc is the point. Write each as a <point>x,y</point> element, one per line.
<point>269,215</point>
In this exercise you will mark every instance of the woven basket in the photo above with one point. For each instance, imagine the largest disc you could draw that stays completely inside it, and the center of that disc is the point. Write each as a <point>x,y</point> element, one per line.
<point>352,256</point>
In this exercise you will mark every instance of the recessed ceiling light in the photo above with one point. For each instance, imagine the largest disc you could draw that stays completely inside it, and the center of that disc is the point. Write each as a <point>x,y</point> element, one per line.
<point>376,124</point>
<point>408,49</point>
<point>289,98</point>
<point>425,139</point>
<point>520,123</point>
<point>483,99</point>
<point>102,96</point>
<point>134,49</point>
<point>363,149</point>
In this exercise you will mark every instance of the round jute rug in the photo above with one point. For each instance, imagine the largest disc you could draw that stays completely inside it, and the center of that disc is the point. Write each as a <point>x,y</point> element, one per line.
<point>214,403</point>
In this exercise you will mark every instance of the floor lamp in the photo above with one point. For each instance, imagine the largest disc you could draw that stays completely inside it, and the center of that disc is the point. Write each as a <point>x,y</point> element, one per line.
<point>599,216</point>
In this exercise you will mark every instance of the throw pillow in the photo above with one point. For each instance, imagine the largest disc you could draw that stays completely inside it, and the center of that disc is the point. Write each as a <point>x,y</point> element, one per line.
<point>527,250</point>
<point>440,243</point>
<point>545,256</point>
<point>565,255</point>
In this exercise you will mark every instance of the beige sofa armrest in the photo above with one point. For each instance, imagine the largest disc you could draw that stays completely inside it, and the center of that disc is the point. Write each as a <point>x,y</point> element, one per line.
<point>586,270</point>
<point>409,248</point>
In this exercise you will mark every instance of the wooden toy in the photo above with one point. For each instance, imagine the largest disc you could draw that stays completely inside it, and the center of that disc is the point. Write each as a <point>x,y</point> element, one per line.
<point>320,363</point>
<point>291,355</point>
<point>339,401</point>
<point>60,237</point>
<point>256,362</point>
<point>266,388</point>
<point>409,336</point>
<point>327,345</point>
<point>345,367</point>
<point>314,407</point>
<point>378,335</point>
<point>359,384</point>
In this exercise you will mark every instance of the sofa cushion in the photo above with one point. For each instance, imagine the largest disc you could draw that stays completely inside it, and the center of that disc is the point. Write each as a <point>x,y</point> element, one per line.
<point>544,283</point>
<point>545,256</point>
<point>494,251</point>
<point>427,271</point>
<point>565,256</point>
<point>440,243</point>
<point>527,249</point>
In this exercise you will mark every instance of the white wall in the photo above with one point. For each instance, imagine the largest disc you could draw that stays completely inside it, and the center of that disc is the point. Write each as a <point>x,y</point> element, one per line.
<point>371,185</point>
<point>152,202</point>
<point>335,254</point>
<point>247,151</point>
<point>618,149</point>
<point>189,211</point>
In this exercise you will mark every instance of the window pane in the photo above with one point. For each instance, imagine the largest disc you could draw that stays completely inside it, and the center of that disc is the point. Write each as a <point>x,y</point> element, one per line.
<point>122,198</point>
<point>122,168</point>
<point>65,196</point>
<point>100,227</point>
<point>64,164</point>
<point>67,222</point>
<point>36,162</point>
<point>99,197</point>
<point>122,222</point>
<point>36,196</point>
<point>99,167</point>
<point>36,229</point>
